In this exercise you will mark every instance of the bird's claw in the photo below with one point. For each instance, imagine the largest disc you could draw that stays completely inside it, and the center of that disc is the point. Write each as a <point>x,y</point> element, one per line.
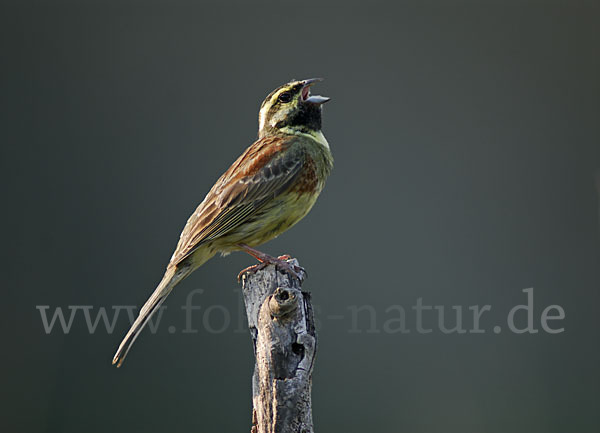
<point>252,270</point>
<point>293,270</point>
<point>280,262</point>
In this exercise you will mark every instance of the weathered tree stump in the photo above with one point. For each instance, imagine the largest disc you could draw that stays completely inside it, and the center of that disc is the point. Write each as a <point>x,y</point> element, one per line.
<point>280,317</point>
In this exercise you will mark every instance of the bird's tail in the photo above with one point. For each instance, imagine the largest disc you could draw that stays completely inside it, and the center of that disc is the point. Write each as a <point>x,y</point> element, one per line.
<point>172,277</point>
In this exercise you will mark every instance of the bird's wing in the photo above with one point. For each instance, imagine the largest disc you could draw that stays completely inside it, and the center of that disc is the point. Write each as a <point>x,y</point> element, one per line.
<point>262,172</point>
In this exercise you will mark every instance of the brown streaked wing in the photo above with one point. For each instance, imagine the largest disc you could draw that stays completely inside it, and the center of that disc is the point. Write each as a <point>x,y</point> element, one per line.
<point>262,172</point>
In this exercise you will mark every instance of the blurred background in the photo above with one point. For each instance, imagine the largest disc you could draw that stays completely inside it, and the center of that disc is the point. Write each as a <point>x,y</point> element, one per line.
<point>466,140</point>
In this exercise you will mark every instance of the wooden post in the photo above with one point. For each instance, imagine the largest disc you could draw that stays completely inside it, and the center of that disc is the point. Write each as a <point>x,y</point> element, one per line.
<point>280,317</point>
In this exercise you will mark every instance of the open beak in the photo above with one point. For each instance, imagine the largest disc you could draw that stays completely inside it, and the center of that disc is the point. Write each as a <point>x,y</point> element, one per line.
<point>312,99</point>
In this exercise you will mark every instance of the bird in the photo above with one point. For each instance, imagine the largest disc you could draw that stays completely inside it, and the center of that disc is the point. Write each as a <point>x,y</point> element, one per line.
<point>269,188</point>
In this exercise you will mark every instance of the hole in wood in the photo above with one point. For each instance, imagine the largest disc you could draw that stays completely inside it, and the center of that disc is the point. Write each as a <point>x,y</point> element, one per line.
<point>298,349</point>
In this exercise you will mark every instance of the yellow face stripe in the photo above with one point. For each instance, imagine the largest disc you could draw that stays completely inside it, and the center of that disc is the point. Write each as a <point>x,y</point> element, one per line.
<point>262,116</point>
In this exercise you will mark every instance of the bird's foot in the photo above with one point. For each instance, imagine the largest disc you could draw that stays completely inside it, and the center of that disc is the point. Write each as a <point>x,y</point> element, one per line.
<point>252,270</point>
<point>280,262</point>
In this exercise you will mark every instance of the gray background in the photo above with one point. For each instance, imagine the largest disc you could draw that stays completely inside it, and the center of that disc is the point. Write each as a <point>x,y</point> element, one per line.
<point>466,141</point>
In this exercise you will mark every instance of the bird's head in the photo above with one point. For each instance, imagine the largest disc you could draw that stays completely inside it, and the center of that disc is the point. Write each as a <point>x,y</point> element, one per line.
<point>291,109</point>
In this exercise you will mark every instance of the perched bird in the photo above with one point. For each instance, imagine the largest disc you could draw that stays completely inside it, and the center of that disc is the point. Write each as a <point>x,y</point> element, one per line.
<point>267,190</point>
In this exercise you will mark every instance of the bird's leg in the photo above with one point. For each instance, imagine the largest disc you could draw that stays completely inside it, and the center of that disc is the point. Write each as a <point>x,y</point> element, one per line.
<point>266,260</point>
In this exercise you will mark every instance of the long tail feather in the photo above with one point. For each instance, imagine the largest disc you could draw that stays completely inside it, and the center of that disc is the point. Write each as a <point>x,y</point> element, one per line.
<point>171,278</point>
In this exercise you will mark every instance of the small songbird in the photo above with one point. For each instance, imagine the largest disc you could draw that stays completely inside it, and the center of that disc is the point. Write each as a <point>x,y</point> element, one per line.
<point>267,190</point>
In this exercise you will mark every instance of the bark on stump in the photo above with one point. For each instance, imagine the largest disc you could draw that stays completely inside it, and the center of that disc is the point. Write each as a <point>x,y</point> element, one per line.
<point>280,317</point>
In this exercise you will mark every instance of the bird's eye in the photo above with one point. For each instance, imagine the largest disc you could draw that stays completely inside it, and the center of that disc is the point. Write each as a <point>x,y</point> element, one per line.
<point>285,97</point>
